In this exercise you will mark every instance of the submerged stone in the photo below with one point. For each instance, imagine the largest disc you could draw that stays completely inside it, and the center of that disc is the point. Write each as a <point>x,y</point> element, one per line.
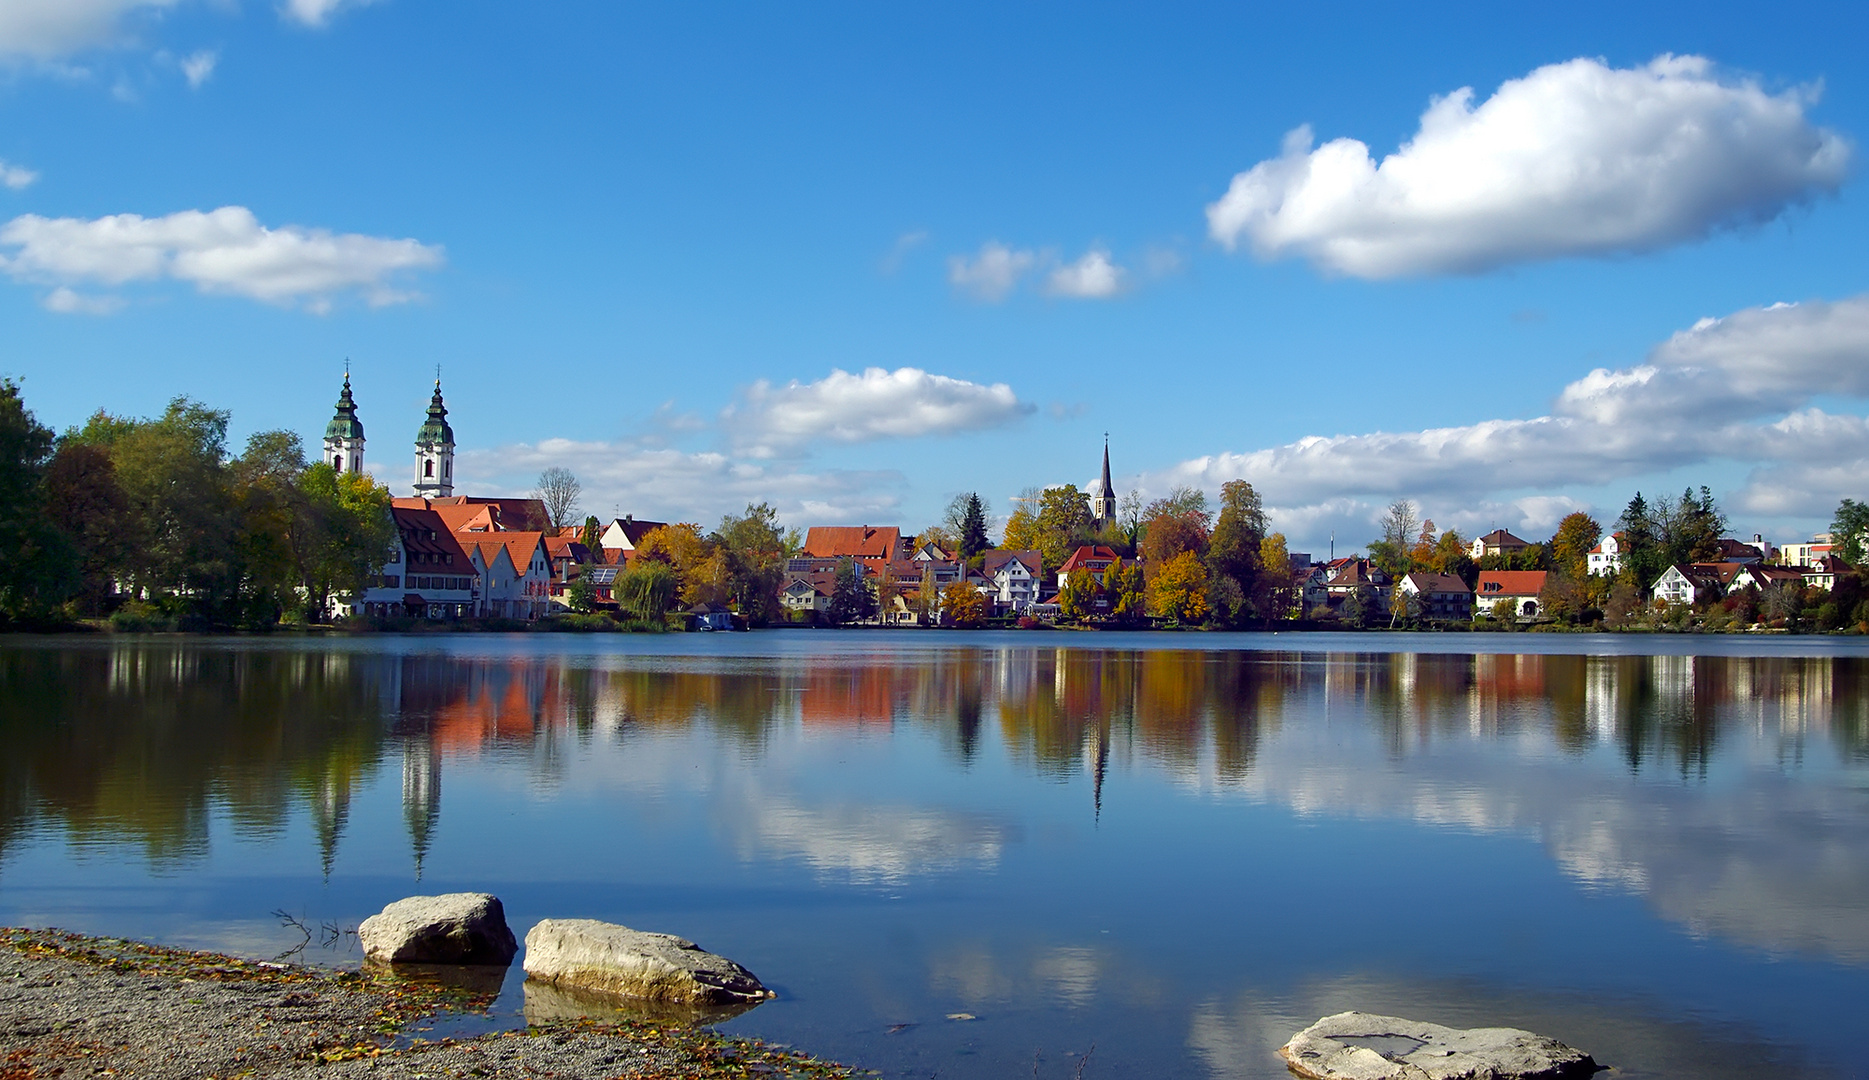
<point>1362,1046</point>
<point>591,955</point>
<point>453,928</point>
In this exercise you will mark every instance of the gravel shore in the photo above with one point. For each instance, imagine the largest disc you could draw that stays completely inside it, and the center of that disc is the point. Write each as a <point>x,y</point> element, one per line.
<point>74,1006</point>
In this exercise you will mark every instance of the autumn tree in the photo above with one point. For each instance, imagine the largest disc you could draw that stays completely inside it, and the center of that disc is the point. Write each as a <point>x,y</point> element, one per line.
<point>962,606</point>
<point>1571,544</point>
<point>1174,525</point>
<point>1272,589</point>
<point>1022,527</point>
<point>1123,583</point>
<point>700,569</point>
<point>1077,599</point>
<point>1178,591</point>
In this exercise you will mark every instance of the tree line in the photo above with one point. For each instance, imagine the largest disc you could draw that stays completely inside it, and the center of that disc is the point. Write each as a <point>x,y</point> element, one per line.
<point>159,511</point>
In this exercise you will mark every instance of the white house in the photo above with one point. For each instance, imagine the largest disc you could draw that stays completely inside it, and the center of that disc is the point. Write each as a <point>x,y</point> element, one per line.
<point>425,573</point>
<point>1509,593</point>
<point>516,572</point>
<point>1012,578</point>
<point>1606,556</point>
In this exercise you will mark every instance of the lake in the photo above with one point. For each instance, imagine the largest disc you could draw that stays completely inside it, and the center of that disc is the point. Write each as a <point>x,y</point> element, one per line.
<point>1168,852</point>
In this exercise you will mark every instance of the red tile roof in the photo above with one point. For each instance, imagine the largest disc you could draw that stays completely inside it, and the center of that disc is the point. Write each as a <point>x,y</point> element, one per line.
<point>1510,583</point>
<point>853,542</point>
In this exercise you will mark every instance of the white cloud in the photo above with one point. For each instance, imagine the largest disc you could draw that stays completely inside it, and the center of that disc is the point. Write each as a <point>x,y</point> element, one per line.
<point>992,274</point>
<point>16,177</point>
<point>1734,389</point>
<point>67,302</point>
<point>316,12</point>
<point>44,29</point>
<point>1573,159</point>
<point>663,483</point>
<point>224,251</point>
<point>876,404</point>
<point>1093,277</point>
<point>197,67</point>
<point>901,249</point>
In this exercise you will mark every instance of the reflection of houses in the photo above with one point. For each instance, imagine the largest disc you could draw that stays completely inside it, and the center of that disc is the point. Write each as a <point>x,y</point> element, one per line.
<point>1509,593</point>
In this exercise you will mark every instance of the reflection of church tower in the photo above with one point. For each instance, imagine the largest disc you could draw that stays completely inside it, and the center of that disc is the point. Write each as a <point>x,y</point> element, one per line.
<point>1103,503</point>
<point>1098,732</point>
<point>343,436</point>
<point>434,451</point>
<point>421,794</point>
<point>330,810</point>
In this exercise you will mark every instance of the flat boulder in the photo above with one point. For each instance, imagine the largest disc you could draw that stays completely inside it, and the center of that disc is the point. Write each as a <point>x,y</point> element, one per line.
<point>454,928</point>
<point>589,955</point>
<point>1361,1046</point>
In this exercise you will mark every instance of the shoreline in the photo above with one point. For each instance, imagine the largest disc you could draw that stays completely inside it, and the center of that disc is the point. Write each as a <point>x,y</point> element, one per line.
<point>72,1004</point>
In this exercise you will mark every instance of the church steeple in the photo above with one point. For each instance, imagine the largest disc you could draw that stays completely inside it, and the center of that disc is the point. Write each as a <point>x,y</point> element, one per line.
<point>343,436</point>
<point>1103,505</point>
<point>434,450</point>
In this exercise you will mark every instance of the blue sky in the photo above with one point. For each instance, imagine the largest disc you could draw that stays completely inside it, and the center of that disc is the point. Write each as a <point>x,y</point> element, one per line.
<point>856,258</point>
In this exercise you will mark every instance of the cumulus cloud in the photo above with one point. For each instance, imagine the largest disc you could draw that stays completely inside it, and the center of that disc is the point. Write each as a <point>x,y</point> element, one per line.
<point>16,177</point>
<point>636,476</point>
<point>993,273</point>
<point>1738,388</point>
<point>1093,277</point>
<point>1574,159</point>
<point>876,404</point>
<point>197,67</point>
<point>224,251</point>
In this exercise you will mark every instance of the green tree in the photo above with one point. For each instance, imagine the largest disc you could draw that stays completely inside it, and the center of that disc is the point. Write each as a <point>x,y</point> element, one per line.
<point>1393,553</point>
<point>592,537</point>
<point>1128,592</point>
<point>84,501</point>
<point>270,510</point>
<point>1078,598</point>
<point>1064,524</point>
<point>348,529</point>
<point>582,595</point>
<point>1848,528</point>
<point>851,597</point>
<point>971,533</point>
<point>754,547</point>
<point>1233,550</point>
<point>647,589</point>
<point>38,562</point>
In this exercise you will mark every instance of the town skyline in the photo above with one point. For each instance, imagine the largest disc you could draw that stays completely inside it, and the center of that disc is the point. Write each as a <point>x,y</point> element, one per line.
<point>1345,266</point>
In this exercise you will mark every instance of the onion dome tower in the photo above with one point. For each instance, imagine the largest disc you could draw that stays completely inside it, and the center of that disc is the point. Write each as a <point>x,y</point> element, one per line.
<point>434,451</point>
<point>343,436</point>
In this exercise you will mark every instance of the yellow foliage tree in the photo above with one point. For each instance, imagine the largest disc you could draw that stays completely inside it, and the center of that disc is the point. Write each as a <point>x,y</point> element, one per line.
<point>702,571</point>
<point>1179,591</point>
<point>962,605</point>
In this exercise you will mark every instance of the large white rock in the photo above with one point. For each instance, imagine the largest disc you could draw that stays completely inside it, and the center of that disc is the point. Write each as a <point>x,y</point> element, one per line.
<point>1360,1046</point>
<point>612,959</point>
<point>454,928</point>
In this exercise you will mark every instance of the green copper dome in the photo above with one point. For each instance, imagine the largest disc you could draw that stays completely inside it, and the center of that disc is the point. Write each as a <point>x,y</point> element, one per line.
<point>345,424</point>
<point>435,430</point>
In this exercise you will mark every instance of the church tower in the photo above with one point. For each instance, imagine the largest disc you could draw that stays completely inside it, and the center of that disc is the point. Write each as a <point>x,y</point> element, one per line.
<point>343,436</point>
<point>434,451</point>
<point>1103,503</point>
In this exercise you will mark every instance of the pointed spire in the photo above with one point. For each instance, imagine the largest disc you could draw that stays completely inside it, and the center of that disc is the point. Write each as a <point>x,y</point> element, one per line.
<point>1106,491</point>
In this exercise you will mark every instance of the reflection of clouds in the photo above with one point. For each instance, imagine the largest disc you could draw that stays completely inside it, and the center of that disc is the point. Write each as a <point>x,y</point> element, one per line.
<point>873,843</point>
<point>1068,974</point>
<point>1760,858</point>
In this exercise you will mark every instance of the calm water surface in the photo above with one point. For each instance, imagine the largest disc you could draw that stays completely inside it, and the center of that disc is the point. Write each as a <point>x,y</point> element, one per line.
<point>1176,850</point>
